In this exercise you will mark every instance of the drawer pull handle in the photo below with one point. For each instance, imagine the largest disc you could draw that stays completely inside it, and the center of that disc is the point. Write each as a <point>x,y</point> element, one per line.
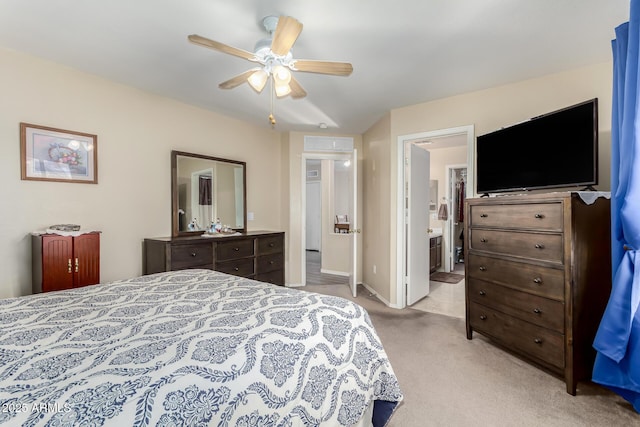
<point>539,246</point>
<point>483,240</point>
<point>537,311</point>
<point>193,254</point>
<point>69,266</point>
<point>483,215</point>
<point>483,317</point>
<point>483,293</point>
<point>537,341</point>
<point>537,281</point>
<point>483,268</point>
<point>539,216</point>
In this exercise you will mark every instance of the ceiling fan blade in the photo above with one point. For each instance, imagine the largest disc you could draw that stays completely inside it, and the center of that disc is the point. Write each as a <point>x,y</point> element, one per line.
<point>221,47</point>
<point>286,34</point>
<point>323,67</point>
<point>237,80</point>
<point>296,90</point>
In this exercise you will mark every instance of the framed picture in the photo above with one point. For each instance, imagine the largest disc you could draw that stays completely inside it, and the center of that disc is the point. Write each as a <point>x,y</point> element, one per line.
<point>49,154</point>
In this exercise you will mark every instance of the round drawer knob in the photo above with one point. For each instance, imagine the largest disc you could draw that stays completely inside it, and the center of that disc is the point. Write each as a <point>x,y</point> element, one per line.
<point>236,269</point>
<point>236,249</point>
<point>539,246</point>
<point>193,254</point>
<point>483,240</point>
<point>483,215</point>
<point>537,281</point>
<point>483,268</point>
<point>271,245</point>
<point>483,293</point>
<point>483,317</point>
<point>537,311</point>
<point>271,262</point>
<point>537,341</point>
<point>539,216</point>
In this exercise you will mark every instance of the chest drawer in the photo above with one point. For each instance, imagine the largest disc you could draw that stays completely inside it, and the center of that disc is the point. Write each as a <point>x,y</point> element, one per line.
<point>523,337</point>
<point>534,216</point>
<point>238,267</point>
<point>532,308</point>
<point>190,256</point>
<point>547,247</point>
<point>270,245</point>
<point>270,262</point>
<point>234,249</point>
<point>542,281</point>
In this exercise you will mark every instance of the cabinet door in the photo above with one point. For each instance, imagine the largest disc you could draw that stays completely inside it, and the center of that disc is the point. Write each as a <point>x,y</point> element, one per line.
<point>57,262</point>
<point>86,261</point>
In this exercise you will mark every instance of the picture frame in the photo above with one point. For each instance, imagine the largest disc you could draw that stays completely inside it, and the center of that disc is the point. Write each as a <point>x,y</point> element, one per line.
<point>51,154</point>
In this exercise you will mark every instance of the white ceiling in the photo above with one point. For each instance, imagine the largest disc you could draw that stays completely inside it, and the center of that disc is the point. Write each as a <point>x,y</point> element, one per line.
<point>403,52</point>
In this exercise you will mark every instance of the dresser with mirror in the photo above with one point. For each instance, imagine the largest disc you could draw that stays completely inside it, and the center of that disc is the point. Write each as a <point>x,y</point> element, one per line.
<point>209,224</point>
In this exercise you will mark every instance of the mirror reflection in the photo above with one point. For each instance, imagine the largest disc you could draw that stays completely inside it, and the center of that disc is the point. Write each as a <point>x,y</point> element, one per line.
<point>207,192</point>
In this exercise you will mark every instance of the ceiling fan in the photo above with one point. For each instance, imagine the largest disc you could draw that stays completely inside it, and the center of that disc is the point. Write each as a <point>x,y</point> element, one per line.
<point>273,54</point>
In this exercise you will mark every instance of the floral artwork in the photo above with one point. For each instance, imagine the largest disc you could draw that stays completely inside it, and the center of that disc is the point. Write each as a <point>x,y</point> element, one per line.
<point>57,155</point>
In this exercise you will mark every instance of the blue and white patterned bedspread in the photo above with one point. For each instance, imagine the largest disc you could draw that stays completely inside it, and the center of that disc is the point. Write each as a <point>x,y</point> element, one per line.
<point>188,348</point>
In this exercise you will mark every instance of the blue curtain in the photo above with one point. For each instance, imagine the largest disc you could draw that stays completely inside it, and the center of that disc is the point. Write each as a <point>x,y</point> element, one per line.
<point>617,342</point>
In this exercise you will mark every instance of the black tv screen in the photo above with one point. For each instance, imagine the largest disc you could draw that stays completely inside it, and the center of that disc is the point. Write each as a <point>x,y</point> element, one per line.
<point>557,149</point>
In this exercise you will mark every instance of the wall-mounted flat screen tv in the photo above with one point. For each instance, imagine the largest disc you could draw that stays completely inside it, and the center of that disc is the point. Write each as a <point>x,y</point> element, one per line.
<point>554,150</point>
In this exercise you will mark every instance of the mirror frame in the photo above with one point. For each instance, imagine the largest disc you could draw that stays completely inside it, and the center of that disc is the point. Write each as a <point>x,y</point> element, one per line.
<point>175,231</point>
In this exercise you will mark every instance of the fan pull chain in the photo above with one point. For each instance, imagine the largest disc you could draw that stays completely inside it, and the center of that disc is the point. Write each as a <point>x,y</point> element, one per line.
<point>272,119</point>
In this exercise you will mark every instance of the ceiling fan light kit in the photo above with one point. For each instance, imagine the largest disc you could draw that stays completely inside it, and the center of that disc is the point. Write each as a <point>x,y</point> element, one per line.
<point>275,59</point>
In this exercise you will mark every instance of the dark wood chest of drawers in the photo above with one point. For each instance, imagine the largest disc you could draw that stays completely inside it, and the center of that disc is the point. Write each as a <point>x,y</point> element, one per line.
<point>538,277</point>
<point>257,255</point>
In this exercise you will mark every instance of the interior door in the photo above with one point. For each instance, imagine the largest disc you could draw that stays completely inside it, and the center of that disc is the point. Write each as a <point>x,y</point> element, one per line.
<point>417,177</point>
<point>314,215</point>
<point>353,220</point>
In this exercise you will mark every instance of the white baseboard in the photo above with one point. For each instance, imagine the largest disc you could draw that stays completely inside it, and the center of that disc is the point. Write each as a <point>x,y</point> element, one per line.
<point>384,301</point>
<point>335,273</point>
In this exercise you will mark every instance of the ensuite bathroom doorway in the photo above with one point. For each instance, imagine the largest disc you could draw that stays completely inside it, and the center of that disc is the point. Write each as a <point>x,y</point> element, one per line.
<point>451,165</point>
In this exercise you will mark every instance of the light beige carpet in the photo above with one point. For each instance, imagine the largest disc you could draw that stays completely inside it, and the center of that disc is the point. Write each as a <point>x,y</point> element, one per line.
<point>448,380</point>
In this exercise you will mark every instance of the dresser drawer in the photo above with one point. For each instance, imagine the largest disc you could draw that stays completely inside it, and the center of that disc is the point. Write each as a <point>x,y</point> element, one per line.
<point>534,216</point>
<point>234,249</point>
<point>547,247</point>
<point>540,311</point>
<point>270,262</point>
<point>270,245</point>
<point>543,281</point>
<point>523,337</point>
<point>237,267</point>
<point>190,256</point>
<point>274,277</point>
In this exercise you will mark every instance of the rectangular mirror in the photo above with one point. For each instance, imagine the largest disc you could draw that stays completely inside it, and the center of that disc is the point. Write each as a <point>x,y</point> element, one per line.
<point>205,189</point>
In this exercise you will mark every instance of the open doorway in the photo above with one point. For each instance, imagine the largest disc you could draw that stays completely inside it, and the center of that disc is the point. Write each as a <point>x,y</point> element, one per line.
<point>327,220</point>
<point>451,152</point>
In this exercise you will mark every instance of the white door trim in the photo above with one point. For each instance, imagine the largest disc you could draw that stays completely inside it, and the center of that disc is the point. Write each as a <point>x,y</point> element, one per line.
<point>303,214</point>
<point>401,296</point>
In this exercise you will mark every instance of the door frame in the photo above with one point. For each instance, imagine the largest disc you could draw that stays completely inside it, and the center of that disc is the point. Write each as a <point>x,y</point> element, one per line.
<point>469,130</point>
<point>303,213</point>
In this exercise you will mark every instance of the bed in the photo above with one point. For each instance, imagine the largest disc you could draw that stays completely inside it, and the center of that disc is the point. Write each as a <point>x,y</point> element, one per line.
<point>192,347</point>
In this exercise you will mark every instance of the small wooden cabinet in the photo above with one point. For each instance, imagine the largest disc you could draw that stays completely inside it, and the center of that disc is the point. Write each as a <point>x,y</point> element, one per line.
<point>435,253</point>
<point>538,277</point>
<point>65,262</point>
<point>257,255</point>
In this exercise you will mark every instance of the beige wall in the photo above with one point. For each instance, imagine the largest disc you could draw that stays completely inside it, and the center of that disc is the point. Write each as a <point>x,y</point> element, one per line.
<point>378,205</point>
<point>136,133</point>
<point>488,110</point>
